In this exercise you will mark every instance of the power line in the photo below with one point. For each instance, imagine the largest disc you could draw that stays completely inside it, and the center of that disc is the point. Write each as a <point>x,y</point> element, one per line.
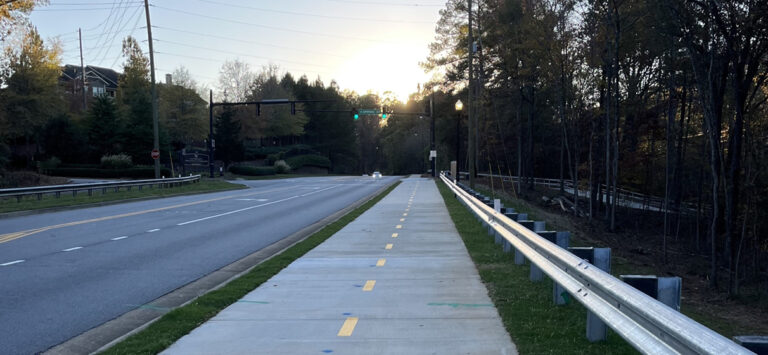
<point>249,42</point>
<point>59,3</point>
<point>271,27</point>
<point>314,15</point>
<point>135,27</point>
<point>387,3</point>
<point>82,9</point>
<point>241,54</point>
<point>222,61</point>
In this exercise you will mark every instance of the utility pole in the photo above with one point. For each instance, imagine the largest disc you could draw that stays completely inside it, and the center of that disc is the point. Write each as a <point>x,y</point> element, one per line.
<point>82,66</point>
<point>210,132</point>
<point>154,89</point>
<point>470,117</point>
<point>432,131</point>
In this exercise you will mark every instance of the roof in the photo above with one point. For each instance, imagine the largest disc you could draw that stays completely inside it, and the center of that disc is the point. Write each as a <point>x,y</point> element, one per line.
<point>108,76</point>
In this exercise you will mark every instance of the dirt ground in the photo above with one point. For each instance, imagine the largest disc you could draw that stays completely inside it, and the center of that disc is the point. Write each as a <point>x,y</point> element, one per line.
<point>637,251</point>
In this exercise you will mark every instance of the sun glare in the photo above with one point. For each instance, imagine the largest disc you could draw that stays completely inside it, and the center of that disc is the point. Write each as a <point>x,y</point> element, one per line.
<point>383,68</point>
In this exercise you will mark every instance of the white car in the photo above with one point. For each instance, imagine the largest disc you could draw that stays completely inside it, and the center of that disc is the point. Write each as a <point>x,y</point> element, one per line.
<point>376,175</point>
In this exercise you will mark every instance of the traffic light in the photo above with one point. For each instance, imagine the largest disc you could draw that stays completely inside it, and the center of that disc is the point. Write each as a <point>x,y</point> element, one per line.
<point>384,113</point>
<point>355,114</point>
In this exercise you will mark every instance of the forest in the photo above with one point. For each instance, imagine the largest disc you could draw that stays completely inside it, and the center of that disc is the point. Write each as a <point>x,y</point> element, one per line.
<point>665,98</point>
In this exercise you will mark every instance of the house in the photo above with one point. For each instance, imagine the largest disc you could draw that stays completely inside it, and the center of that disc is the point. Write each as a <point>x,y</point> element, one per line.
<point>98,81</point>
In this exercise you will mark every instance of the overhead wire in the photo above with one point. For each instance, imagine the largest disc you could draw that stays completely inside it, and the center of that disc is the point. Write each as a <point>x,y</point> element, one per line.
<point>309,33</point>
<point>369,19</point>
<point>222,61</point>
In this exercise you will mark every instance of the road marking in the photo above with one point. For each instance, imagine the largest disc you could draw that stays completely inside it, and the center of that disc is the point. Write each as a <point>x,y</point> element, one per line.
<point>348,327</point>
<point>16,235</point>
<point>407,209</point>
<point>389,246</point>
<point>369,285</point>
<point>314,192</point>
<point>402,219</point>
<point>236,211</point>
<point>399,226</point>
<point>394,235</point>
<point>252,199</point>
<point>73,248</point>
<point>12,262</point>
<point>153,230</point>
<point>405,214</point>
<point>119,238</point>
<point>381,262</point>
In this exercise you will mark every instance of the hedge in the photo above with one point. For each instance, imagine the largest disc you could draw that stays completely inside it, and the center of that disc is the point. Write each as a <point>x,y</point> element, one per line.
<point>252,170</point>
<point>134,173</point>
<point>308,160</point>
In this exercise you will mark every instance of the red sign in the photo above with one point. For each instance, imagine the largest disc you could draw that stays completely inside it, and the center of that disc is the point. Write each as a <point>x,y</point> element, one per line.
<point>155,154</point>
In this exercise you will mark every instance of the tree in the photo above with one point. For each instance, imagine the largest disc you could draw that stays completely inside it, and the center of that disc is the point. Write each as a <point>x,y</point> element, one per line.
<point>229,147</point>
<point>135,97</point>
<point>104,128</point>
<point>13,13</point>
<point>275,120</point>
<point>235,81</point>
<point>31,97</point>
<point>183,113</point>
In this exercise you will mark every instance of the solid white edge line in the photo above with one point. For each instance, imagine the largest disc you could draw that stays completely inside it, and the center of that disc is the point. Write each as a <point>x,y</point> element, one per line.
<point>153,230</point>
<point>12,262</point>
<point>73,248</point>
<point>118,238</point>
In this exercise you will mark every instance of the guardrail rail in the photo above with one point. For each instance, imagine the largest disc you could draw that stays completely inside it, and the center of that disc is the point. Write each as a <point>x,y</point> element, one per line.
<point>648,325</point>
<point>39,191</point>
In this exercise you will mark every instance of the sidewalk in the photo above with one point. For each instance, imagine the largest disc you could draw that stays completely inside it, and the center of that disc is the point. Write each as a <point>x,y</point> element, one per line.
<point>397,280</point>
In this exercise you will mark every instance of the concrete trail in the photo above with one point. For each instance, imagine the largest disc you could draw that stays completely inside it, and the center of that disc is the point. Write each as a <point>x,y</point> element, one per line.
<point>397,280</point>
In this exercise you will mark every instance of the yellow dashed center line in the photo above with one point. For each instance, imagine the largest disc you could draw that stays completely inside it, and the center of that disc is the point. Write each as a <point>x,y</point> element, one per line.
<point>402,219</point>
<point>369,285</point>
<point>381,262</point>
<point>394,235</point>
<point>405,214</point>
<point>348,327</point>
<point>399,226</point>
<point>389,246</point>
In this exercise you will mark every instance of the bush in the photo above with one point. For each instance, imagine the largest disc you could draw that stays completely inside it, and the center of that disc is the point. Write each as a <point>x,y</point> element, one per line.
<point>281,167</point>
<point>133,173</point>
<point>252,170</point>
<point>273,158</point>
<point>52,162</point>
<point>117,161</point>
<point>12,179</point>
<point>308,160</point>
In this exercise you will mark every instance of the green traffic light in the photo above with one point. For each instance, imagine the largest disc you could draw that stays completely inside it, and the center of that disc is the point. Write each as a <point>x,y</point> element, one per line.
<point>357,116</point>
<point>384,116</point>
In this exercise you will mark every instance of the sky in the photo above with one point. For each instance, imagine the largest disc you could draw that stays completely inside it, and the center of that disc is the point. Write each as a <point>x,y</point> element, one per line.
<point>365,45</point>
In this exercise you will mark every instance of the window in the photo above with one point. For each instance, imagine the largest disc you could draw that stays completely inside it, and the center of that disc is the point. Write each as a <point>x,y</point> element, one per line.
<point>99,90</point>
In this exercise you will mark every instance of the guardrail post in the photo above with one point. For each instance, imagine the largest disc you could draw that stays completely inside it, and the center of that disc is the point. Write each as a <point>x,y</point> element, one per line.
<point>496,236</point>
<point>538,227</point>
<point>563,240</point>
<point>597,330</point>
<point>756,343</point>
<point>666,290</point>
<point>519,257</point>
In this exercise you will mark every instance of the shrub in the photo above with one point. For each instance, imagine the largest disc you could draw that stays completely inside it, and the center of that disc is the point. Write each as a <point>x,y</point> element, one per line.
<point>273,158</point>
<point>52,162</point>
<point>252,170</point>
<point>308,160</point>
<point>133,173</point>
<point>117,161</point>
<point>281,167</point>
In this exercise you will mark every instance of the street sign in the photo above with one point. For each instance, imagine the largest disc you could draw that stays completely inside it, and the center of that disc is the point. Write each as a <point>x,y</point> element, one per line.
<point>369,111</point>
<point>155,154</point>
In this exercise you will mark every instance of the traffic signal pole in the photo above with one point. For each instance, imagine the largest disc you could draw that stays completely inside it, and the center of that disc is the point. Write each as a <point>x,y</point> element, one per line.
<point>432,135</point>
<point>156,139</point>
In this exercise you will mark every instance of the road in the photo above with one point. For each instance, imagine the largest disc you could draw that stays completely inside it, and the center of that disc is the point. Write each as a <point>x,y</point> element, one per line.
<point>63,273</point>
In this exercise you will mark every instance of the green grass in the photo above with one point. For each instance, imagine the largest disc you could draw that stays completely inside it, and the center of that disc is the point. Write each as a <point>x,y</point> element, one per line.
<point>82,198</point>
<point>177,323</point>
<point>535,324</point>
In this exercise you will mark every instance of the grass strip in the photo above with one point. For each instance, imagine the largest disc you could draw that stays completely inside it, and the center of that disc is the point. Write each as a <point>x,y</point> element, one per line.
<point>535,324</point>
<point>180,321</point>
<point>82,198</point>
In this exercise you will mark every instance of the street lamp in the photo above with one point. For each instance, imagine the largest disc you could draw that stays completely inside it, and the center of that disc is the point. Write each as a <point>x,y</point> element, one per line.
<point>459,106</point>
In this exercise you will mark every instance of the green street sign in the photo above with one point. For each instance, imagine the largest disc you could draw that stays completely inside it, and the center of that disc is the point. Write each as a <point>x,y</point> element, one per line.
<point>369,111</point>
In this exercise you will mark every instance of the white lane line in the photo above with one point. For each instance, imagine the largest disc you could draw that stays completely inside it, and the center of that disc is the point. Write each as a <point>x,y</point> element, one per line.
<point>118,238</point>
<point>12,262</point>
<point>236,211</point>
<point>314,192</point>
<point>252,199</point>
<point>252,207</point>
<point>153,230</point>
<point>73,248</point>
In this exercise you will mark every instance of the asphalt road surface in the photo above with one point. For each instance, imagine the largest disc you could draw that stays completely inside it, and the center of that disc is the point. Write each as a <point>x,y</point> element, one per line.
<point>63,273</point>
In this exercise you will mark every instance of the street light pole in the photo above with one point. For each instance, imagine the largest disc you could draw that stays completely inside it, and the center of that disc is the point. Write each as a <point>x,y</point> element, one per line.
<point>432,138</point>
<point>210,132</point>
<point>471,126</point>
<point>156,140</point>
<point>459,106</point>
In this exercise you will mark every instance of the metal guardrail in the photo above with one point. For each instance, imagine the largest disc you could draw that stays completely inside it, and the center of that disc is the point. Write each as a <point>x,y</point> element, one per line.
<point>39,191</point>
<point>645,323</point>
<point>625,197</point>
